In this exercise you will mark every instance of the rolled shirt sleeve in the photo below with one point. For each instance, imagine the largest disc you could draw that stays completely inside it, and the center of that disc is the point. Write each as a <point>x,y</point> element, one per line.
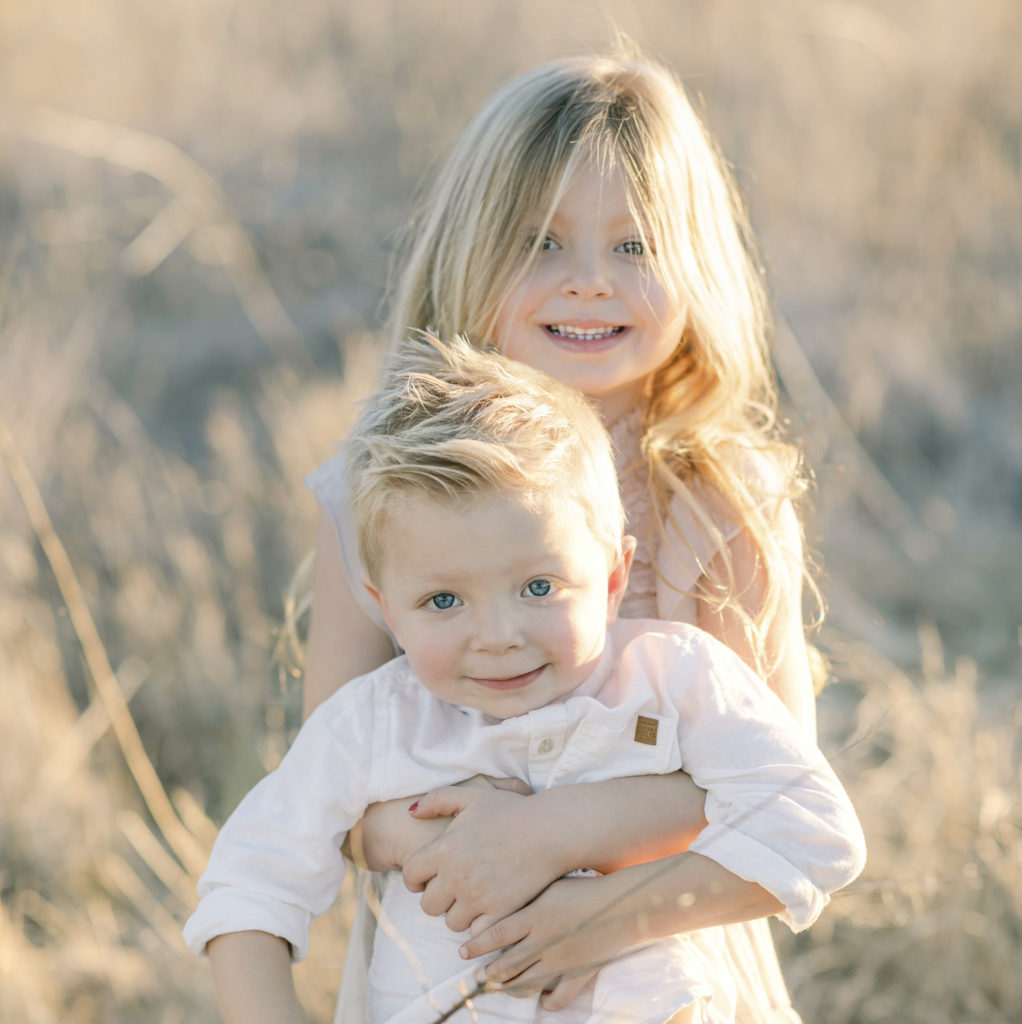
<point>776,812</point>
<point>277,861</point>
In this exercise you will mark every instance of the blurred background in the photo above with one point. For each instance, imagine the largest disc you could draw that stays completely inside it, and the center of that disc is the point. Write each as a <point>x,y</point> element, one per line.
<point>198,201</point>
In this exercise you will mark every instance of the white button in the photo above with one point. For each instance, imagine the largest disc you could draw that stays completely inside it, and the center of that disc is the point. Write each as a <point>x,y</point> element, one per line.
<point>546,746</point>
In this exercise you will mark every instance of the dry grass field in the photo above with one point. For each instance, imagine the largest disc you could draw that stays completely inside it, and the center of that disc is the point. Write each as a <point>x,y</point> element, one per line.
<point>197,202</point>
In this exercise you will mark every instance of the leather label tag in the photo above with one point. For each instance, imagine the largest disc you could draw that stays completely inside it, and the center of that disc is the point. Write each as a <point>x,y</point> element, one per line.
<point>646,730</point>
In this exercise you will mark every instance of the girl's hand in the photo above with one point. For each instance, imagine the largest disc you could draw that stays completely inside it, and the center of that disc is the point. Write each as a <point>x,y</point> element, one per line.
<point>569,931</point>
<point>387,836</point>
<point>556,943</point>
<point>492,859</point>
<point>501,851</point>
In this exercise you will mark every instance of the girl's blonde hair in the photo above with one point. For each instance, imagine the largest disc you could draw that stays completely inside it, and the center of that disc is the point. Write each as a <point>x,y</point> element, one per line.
<point>709,412</point>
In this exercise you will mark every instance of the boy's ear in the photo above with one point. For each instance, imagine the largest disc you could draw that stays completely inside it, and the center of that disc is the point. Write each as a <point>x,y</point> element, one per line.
<point>617,582</point>
<point>378,598</point>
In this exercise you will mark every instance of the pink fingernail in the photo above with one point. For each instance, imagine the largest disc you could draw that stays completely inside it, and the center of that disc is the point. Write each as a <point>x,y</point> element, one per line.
<point>463,952</point>
<point>414,807</point>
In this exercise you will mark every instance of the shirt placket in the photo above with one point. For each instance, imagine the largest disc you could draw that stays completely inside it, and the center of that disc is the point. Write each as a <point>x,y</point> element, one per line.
<point>548,728</point>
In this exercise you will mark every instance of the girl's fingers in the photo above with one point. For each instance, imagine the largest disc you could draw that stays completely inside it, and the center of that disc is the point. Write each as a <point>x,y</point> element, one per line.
<point>481,923</point>
<point>565,992</point>
<point>437,901</point>
<point>530,982</point>
<point>505,932</point>
<point>417,873</point>
<point>459,916</point>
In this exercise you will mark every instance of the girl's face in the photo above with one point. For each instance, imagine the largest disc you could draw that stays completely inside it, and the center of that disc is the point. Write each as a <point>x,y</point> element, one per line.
<point>590,311</point>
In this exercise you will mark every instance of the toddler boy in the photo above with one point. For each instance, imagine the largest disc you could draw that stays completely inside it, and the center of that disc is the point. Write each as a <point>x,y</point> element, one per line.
<point>491,532</point>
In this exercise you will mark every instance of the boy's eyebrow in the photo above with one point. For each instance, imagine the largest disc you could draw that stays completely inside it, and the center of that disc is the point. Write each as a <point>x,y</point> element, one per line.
<point>548,561</point>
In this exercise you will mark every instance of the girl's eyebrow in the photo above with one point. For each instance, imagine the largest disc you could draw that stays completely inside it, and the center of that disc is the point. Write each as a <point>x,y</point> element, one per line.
<point>623,221</point>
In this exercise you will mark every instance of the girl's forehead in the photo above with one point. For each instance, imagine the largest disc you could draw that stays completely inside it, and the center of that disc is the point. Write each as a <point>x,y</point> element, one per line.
<point>593,187</point>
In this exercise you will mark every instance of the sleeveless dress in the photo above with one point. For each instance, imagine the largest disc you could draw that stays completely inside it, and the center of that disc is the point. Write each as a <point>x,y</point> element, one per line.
<point>657,588</point>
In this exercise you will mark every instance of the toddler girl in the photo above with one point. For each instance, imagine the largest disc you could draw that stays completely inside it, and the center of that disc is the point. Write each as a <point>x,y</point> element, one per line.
<point>586,224</point>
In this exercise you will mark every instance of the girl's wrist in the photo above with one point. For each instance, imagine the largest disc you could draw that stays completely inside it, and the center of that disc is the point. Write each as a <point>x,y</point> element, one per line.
<point>566,844</point>
<point>619,822</point>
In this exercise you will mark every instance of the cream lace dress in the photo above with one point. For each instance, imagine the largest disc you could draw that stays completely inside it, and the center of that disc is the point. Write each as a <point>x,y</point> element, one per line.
<point>749,948</point>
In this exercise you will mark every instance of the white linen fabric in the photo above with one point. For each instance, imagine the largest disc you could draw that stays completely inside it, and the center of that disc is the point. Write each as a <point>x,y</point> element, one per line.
<point>776,813</point>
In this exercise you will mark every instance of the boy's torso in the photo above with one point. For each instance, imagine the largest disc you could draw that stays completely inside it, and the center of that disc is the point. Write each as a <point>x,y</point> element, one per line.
<point>623,721</point>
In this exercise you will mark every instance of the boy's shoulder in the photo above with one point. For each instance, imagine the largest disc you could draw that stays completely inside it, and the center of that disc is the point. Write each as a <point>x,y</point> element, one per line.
<point>393,680</point>
<point>660,634</point>
<point>654,641</point>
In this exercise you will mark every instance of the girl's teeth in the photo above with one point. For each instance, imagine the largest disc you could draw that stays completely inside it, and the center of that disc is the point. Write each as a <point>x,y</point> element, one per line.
<point>584,333</point>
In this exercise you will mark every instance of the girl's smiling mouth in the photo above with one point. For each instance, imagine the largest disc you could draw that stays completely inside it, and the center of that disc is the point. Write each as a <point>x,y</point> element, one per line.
<point>585,337</point>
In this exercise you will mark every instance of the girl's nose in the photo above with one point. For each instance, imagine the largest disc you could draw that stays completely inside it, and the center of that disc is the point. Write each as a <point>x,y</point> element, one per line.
<point>587,278</point>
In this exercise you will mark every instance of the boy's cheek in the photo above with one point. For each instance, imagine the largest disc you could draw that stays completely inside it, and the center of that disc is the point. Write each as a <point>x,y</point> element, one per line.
<point>430,669</point>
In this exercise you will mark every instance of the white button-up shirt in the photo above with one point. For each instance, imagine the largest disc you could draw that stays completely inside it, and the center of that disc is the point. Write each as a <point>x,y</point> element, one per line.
<point>663,697</point>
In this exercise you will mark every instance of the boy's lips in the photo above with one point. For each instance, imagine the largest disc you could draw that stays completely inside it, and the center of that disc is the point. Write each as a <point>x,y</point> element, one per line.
<point>510,682</point>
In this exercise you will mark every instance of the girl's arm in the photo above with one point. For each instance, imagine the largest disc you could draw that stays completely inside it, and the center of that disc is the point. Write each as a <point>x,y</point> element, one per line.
<point>578,924</point>
<point>791,678</point>
<point>343,641</point>
<point>501,849</point>
<point>252,977</point>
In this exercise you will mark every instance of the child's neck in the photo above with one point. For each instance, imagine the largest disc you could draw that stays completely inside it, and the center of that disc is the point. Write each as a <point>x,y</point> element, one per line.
<point>616,413</point>
<point>619,404</point>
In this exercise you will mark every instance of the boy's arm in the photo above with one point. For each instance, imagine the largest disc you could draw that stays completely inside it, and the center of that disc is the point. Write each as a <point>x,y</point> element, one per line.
<point>776,812</point>
<point>276,863</point>
<point>252,977</point>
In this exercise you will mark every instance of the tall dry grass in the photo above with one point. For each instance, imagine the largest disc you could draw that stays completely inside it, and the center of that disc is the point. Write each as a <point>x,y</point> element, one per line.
<point>196,203</point>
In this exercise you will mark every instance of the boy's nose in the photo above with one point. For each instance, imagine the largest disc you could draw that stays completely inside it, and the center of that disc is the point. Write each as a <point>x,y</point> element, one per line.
<point>496,632</point>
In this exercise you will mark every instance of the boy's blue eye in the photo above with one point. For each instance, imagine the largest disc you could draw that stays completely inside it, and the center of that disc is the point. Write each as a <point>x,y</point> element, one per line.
<point>442,601</point>
<point>632,248</point>
<point>548,243</point>
<point>539,588</point>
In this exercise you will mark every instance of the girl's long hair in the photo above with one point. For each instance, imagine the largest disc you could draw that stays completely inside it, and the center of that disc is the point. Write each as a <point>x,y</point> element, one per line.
<point>709,418</point>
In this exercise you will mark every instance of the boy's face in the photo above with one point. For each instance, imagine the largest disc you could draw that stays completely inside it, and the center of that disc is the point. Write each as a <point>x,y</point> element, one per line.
<point>498,606</point>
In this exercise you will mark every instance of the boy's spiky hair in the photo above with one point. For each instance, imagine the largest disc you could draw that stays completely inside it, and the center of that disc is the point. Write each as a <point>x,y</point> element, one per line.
<point>452,421</point>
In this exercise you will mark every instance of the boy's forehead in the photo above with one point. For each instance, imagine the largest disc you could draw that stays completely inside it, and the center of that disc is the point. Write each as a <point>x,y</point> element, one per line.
<point>405,508</point>
<point>416,515</point>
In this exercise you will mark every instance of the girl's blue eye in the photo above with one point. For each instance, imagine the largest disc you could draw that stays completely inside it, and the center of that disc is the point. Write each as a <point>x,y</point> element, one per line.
<point>632,248</point>
<point>539,588</point>
<point>541,244</point>
<point>442,601</point>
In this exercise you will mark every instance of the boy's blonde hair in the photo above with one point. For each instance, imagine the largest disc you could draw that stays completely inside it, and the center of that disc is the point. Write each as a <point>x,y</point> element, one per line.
<point>452,422</point>
<point>709,412</point>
